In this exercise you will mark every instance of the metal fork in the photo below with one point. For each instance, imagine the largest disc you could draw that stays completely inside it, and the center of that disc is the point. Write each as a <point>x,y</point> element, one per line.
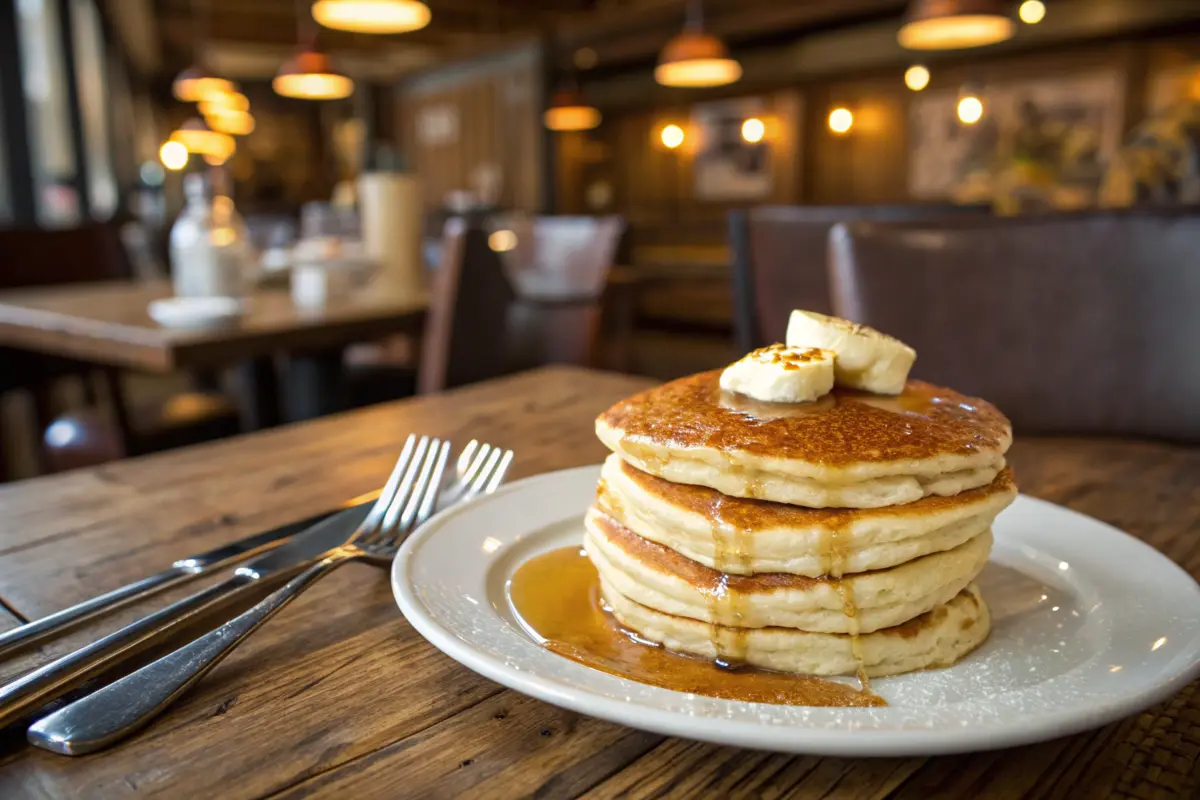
<point>121,708</point>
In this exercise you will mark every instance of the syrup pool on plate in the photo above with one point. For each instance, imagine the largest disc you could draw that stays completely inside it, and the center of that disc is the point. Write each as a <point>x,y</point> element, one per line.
<point>556,595</point>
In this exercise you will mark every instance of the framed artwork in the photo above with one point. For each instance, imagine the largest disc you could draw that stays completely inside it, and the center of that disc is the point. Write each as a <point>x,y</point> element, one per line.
<point>726,166</point>
<point>1042,143</point>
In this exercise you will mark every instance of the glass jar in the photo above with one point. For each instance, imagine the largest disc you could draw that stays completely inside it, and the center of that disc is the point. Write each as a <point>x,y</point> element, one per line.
<point>210,246</point>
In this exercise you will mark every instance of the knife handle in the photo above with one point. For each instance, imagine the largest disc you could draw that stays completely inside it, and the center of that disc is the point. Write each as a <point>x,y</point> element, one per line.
<point>30,633</point>
<point>35,689</point>
<point>119,709</point>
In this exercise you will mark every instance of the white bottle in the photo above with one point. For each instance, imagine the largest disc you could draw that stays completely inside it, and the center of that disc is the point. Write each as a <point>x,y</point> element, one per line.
<point>210,253</point>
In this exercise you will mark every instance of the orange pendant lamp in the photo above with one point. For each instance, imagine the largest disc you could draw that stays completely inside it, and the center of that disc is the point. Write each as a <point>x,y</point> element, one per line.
<point>310,75</point>
<point>955,24</point>
<point>568,111</point>
<point>372,16</point>
<point>199,138</point>
<point>695,58</point>
<point>196,84</point>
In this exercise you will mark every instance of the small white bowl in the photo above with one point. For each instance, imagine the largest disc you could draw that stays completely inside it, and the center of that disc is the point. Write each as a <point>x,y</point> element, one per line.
<point>195,312</point>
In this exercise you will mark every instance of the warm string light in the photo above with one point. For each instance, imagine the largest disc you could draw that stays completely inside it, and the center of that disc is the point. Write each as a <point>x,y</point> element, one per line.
<point>970,109</point>
<point>173,155</point>
<point>841,120</point>
<point>753,130</point>
<point>916,77</point>
<point>1032,12</point>
<point>672,136</point>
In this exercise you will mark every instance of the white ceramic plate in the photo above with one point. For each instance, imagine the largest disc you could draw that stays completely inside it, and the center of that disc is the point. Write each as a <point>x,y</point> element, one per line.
<point>1090,625</point>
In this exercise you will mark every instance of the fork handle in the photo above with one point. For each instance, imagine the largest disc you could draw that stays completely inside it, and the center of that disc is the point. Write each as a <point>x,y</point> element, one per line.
<point>113,712</point>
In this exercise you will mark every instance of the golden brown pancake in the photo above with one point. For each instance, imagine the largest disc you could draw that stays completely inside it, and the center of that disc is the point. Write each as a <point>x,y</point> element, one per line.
<point>847,449</point>
<point>743,537</point>
<point>663,580</point>
<point>938,638</point>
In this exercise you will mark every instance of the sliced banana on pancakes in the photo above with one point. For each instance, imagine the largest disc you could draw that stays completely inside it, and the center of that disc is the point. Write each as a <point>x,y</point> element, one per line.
<point>865,358</point>
<point>781,374</point>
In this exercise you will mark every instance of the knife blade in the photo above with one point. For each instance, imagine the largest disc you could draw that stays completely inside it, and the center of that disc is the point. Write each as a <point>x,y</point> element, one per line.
<point>50,681</point>
<point>184,569</point>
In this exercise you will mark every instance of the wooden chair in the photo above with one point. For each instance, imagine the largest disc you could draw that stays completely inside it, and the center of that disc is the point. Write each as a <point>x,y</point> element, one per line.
<point>779,260</point>
<point>92,252</point>
<point>559,270</point>
<point>464,337</point>
<point>1079,323</point>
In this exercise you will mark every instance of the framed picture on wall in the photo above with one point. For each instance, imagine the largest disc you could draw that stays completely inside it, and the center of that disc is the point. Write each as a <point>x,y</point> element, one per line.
<point>731,164</point>
<point>1038,144</point>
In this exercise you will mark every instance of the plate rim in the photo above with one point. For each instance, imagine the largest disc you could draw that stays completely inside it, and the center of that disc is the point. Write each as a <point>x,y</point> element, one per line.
<point>840,742</point>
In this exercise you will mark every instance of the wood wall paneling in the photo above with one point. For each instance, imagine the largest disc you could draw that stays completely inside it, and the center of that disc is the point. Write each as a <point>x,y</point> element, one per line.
<point>457,123</point>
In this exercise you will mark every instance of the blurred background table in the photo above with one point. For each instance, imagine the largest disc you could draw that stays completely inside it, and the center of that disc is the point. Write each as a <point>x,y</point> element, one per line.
<point>108,324</point>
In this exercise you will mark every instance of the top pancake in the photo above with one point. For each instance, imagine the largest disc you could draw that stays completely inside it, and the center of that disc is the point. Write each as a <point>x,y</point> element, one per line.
<point>848,449</point>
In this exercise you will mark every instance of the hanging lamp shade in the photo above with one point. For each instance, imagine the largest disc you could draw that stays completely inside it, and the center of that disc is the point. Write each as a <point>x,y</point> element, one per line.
<point>372,16</point>
<point>230,121</point>
<point>695,58</point>
<point>195,84</point>
<point>955,24</point>
<point>199,138</point>
<point>226,101</point>
<point>568,111</point>
<point>312,76</point>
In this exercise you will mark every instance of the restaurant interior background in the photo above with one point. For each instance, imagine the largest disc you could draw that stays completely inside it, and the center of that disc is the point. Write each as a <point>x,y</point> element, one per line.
<point>1089,105</point>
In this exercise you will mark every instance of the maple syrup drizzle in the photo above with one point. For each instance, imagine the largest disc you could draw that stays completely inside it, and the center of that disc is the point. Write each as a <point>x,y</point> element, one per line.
<point>557,596</point>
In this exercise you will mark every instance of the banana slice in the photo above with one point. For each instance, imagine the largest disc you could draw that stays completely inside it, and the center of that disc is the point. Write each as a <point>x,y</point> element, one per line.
<point>781,374</point>
<point>866,358</point>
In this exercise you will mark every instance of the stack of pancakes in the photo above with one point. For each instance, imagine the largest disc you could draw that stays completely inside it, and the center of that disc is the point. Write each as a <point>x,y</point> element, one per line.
<point>835,537</point>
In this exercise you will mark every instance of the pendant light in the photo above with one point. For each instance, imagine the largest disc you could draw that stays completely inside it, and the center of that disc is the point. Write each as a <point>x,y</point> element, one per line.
<point>199,138</point>
<point>955,24</point>
<point>568,111</point>
<point>196,83</point>
<point>310,74</point>
<point>371,16</point>
<point>230,121</point>
<point>225,101</point>
<point>695,58</point>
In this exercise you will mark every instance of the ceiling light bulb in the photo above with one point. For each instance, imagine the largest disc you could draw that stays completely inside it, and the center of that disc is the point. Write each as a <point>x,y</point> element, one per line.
<point>753,130</point>
<point>840,120</point>
<point>970,110</point>
<point>672,136</point>
<point>916,77</point>
<point>1032,12</point>
<point>173,155</point>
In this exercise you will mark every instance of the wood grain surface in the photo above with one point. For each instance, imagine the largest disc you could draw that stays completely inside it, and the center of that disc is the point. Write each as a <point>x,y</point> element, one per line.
<point>108,323</point>
<point>339,697</point>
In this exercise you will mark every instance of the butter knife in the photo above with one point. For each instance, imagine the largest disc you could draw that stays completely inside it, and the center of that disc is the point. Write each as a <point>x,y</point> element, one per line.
<point>182,570</point>
<point>35,689</point>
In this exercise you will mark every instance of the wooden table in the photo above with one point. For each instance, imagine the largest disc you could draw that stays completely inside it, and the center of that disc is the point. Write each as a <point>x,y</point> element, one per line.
<point>340,697</point>
<point>108,324</point>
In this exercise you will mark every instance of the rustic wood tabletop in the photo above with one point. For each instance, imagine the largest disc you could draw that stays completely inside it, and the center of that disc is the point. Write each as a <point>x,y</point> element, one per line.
<point>340,697</point>
<point>108,323</point>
